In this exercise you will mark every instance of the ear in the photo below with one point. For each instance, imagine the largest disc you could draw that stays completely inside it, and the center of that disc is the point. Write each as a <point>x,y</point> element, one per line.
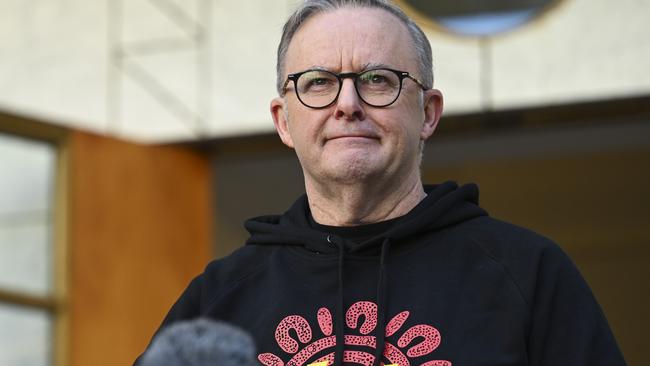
<point>433,103</point>
<point>278,112</point>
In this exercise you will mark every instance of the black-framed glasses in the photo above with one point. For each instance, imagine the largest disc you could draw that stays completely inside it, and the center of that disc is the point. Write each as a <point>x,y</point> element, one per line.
<point>378,87</point>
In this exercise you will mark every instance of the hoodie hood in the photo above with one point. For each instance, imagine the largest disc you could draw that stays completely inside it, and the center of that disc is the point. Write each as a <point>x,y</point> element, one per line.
<point>445,205</point>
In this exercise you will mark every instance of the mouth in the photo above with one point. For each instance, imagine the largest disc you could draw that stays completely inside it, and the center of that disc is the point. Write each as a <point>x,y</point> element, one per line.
<point>353,137</point>
<point>352,140</point>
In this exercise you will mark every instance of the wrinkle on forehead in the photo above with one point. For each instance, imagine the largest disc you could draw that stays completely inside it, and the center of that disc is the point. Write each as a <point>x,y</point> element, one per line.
<point>349,40</point>
<point>363,67</point>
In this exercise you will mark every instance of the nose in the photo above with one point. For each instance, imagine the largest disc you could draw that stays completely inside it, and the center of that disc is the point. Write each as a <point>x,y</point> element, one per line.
<point>348,105</point>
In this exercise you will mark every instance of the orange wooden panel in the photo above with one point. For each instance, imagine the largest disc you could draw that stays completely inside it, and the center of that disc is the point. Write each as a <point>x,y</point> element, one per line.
<point>139,231</point>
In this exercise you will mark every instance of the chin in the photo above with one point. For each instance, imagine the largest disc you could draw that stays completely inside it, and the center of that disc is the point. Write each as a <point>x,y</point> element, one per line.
<point>351,171</point>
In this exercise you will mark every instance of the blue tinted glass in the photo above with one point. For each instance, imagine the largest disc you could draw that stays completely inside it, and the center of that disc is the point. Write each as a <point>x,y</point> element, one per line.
<point>478,18</point>
<point>486,23</point>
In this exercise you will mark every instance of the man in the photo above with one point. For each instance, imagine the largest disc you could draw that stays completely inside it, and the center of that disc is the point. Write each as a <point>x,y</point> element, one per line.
<point>370,267</point>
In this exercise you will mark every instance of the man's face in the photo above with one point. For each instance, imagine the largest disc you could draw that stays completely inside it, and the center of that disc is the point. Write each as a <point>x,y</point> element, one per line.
<point>349,141</point>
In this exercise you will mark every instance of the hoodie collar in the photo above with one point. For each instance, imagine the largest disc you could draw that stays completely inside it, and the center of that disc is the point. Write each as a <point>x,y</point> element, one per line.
<point>446,204</point>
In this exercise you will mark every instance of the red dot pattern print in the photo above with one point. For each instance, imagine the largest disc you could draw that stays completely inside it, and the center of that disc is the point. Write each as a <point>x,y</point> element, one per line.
<point>325,321</point>
<point>437,363</point>
<point>269,359</point>
<point>396,323</point>
<point>296,323</point>
<point>430,341</point>
<point>294,336</point>
<point>368,310</point>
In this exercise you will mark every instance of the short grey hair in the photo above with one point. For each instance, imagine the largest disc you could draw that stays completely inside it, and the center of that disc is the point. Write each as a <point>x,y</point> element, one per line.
<point>310,8</point>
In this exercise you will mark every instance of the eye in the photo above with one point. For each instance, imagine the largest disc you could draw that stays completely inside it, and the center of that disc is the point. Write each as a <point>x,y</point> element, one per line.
<point>378,80</point>
<point>317,81</point>
<point>373,78</point>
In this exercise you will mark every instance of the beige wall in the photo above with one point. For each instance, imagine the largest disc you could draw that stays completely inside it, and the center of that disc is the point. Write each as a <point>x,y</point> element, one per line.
<point>57,59</point>
<point>578,50</point>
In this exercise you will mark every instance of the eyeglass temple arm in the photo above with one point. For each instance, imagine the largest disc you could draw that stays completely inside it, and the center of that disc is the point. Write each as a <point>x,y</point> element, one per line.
<point>406,74</point>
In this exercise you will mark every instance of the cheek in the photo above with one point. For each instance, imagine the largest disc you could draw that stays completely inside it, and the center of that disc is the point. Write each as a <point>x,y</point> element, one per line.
<point>304,129</point>
<point>403,127</point>
<point>413,120</point>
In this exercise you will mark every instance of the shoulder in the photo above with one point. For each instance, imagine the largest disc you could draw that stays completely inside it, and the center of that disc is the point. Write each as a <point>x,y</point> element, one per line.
<point>238,265</point>
<point>505,241</point>
<point>219,278</point>
<point>531,260</point>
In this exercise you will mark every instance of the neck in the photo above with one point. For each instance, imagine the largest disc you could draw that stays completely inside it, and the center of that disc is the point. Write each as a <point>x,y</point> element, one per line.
<point>362,203</point>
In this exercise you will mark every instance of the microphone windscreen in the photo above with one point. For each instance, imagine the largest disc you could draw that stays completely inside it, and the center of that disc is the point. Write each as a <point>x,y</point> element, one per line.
<point>201,342</point>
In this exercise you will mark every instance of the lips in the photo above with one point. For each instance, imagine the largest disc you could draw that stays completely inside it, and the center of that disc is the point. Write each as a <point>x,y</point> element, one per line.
<point>355,135</point>
<point>352,139</point>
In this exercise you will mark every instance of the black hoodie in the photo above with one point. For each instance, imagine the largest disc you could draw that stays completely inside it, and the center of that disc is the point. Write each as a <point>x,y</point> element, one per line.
<point>445,284</point>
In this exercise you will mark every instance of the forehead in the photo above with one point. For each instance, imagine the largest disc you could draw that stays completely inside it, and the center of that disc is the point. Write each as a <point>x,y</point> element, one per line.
<point>349,39</point>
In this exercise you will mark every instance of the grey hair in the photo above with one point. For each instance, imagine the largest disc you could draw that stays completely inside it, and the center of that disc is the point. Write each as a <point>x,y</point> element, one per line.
<point>309,8</point>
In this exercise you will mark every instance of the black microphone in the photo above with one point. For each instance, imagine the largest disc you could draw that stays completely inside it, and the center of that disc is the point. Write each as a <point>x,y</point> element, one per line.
<point>201,342</point>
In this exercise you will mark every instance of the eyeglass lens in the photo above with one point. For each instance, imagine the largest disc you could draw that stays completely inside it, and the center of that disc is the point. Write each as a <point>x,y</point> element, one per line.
<point>319,89</point>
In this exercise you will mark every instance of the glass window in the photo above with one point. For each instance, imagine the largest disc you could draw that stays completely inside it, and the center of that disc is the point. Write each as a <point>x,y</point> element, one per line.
<point>27,169</point>
<point>27,176</point>
<point>479,18</point>
<point>25,336</point>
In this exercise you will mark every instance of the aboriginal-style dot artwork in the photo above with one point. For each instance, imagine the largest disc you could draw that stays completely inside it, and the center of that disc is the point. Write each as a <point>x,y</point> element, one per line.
<point>302,347</point>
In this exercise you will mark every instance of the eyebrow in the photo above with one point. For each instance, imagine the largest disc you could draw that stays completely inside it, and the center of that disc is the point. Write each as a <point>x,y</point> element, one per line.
<point>317,67</point>
<point>374,65</point>
<point>364,67</point>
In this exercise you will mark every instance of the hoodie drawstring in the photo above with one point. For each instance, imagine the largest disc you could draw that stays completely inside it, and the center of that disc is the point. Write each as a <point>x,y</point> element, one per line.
<point>340,325</point>
<point>380,331</point>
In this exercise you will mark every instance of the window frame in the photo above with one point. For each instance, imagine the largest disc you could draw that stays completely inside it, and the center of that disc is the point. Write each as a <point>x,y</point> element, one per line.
<point>57,303</point>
